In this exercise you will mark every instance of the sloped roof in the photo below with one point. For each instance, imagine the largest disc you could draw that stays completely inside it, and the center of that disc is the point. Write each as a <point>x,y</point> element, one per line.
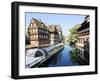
<point>53,28</point>
<point>58,27</point>
<point>38,24</point>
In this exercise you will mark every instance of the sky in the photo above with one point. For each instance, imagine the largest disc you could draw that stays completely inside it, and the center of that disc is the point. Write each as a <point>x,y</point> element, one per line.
<point>66,21</point>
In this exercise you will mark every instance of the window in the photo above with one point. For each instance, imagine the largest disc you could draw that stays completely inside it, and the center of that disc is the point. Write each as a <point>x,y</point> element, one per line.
<point>47,32</point>
<point>36,36</point>
<point>39,30</point>
<point>85,39</point>
<point>43,36</point>
<point>33,30</point>
<point>36,30</point>
<point>40,36</point>
<point>42,31</point>
<point>46,36</point>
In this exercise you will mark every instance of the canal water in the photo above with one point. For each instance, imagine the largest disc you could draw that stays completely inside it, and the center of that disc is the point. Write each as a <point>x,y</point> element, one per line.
<point>63,58</point>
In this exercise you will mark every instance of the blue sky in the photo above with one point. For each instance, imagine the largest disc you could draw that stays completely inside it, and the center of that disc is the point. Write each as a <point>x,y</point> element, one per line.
<point>66,21</point>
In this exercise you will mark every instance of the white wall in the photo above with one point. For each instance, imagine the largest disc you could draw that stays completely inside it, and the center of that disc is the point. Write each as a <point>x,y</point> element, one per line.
<point>5,41</point>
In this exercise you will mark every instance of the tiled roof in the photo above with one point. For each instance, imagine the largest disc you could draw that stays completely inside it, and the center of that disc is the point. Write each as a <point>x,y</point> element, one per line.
<point>58,27</point>
<point>38,24</point>
<point>53,28</point>
<point>85,24</point>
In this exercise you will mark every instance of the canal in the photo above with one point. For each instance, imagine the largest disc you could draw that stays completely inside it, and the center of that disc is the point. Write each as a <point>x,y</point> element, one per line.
<point>63,58</point>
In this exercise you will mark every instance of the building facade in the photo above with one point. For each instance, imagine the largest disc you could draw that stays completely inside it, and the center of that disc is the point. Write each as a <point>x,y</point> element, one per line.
<point>83,40</point>
<point>41,34</point>
<point>83,32</point>
<point>55,34</point>
<point>38,33</point>
<point>59,30</point>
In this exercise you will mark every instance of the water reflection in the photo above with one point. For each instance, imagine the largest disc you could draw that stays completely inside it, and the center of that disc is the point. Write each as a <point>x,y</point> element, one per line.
<point>66,57</point>
<point>56,60</point>
<point>62,58</point>
<point>79,56</point>
<point>74,56</point>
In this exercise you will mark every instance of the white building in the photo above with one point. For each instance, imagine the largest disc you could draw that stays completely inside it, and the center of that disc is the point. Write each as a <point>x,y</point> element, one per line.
<point>55,34</point>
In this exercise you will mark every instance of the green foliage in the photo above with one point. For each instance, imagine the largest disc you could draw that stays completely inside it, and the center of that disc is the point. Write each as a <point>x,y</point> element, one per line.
<point>72,38</point>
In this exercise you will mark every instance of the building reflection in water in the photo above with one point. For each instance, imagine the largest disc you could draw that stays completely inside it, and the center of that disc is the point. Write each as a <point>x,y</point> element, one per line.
<point>56,59</point>
<point>77,56</point>
<point>69,56</point>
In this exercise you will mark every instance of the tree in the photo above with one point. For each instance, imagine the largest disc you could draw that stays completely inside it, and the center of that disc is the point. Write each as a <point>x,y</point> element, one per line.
<point>72,37</point>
